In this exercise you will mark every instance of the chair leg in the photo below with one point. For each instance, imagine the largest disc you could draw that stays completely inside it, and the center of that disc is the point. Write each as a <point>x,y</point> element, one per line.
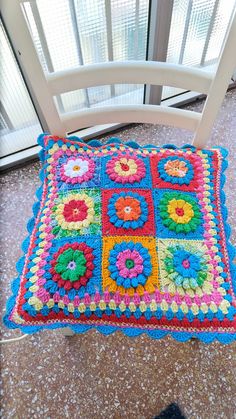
<point>66,331</point>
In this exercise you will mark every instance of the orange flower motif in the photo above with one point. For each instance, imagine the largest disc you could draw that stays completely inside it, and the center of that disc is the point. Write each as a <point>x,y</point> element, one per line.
<point>128,208</point>
<point>176,168</point>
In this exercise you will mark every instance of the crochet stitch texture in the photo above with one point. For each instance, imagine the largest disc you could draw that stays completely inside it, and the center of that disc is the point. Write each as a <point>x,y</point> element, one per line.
<point>128,238</point>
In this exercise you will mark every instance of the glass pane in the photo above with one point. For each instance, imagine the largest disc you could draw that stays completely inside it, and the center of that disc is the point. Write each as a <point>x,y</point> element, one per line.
<point>198,28</point>
<point>92,29</point>
<point>19,123</point>
<point>198,23</point>
<point>52,31</point>
<point>129,29</point>
<point>178,19</point>
<point>218,31</point>
<point>70,33</point>
<point>100,96</point>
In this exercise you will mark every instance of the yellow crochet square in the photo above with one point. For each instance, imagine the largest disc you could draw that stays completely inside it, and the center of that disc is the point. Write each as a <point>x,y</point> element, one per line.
<point>136,254</point>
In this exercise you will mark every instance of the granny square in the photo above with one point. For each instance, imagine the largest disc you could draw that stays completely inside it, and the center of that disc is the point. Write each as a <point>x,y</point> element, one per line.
<point>76,212</point>
<point>72,171</point>
<point>176,172</point>
<point>125,169</point>
<point>178,214</point>
<point>130,266</point>
<point>127,212</point>
<point>127,238</point>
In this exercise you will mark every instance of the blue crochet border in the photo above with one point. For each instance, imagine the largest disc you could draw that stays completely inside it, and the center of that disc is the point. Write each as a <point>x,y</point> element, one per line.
<point>225,338</point>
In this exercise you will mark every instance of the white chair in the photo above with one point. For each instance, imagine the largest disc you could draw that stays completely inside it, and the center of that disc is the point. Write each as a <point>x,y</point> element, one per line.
<point>155,73</point>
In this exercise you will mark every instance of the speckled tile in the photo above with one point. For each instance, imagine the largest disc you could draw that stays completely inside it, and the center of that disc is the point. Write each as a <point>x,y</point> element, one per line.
<point>92,376</point>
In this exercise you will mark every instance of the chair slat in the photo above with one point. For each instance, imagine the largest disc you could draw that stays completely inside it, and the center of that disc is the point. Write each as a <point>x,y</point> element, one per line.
<point>152,114</point>
<point>131,72</point>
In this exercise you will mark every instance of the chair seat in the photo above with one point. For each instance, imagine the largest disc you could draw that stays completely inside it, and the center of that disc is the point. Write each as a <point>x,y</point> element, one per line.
<point>127,238</point>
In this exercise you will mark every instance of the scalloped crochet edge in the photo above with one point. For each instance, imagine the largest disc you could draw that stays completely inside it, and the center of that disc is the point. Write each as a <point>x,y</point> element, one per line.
<point>94,143</point>
<point>181,336</point>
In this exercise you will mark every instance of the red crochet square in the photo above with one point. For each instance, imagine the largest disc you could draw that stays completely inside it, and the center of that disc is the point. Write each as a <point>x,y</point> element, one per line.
<point>176,172</point>
<point>127,212</point>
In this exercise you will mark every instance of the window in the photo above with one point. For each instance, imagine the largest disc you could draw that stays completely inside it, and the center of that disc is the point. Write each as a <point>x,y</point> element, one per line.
<point>197,31</point>
<point>19,123</point>
<point>72,33</point>
<point>68,34</point>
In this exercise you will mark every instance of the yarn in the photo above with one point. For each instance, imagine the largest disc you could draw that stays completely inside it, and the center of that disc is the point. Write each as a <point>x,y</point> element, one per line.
<point>128,238</point>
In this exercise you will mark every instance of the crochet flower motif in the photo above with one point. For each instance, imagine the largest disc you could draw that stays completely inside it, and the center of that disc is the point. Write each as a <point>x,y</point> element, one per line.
<point>128,210</point>
<point>75,211</point>
<point>175,170</point>
<point>179,212</point>
<point>129,267</point>
<point>123,169</point>
<point>72,266</point>
<point>184,267</point>
<point>77,170</point>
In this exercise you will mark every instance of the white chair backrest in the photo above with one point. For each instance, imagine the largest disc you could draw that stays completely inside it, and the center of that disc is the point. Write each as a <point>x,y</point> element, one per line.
<point>46,86</point>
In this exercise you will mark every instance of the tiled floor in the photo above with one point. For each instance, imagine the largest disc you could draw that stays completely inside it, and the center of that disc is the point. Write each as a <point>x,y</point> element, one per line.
<point>92,376</point>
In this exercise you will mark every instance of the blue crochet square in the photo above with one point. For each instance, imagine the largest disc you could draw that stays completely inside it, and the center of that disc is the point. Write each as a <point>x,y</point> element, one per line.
<point>125,170</point>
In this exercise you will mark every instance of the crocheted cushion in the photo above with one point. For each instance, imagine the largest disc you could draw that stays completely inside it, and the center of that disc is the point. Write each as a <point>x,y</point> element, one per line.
<point>127,237</point>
